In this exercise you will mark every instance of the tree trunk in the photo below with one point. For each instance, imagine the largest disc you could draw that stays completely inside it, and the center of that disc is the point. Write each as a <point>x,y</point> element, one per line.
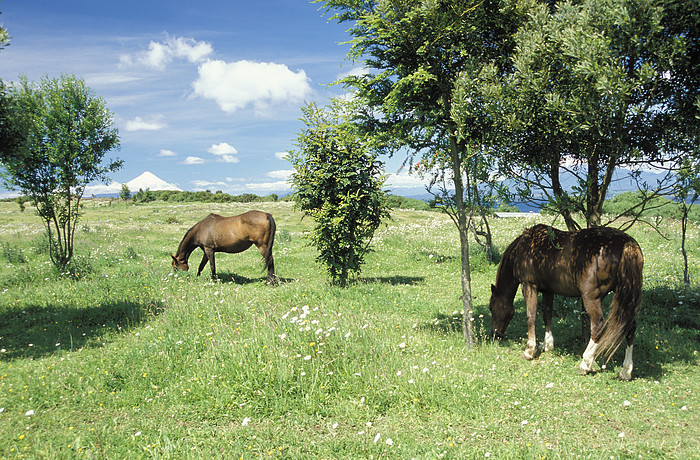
<point>560,195</point>
<point>684,229</point>
<point>467,315</point>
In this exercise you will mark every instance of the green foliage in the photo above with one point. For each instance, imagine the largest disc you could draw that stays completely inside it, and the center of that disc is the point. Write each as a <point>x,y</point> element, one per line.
<point>58,133</point>
<point>338,183</point>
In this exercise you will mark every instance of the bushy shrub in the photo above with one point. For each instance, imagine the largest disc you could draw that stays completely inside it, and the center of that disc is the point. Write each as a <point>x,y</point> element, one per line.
<point>12,254</point>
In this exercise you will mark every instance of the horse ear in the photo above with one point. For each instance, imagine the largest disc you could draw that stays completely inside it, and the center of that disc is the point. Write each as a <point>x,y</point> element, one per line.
<point>493,289</point>
<point>174,258</point>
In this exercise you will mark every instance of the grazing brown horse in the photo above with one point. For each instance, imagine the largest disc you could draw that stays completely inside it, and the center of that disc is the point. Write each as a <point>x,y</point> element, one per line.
<point>589,264</point>
<point>234,234</point>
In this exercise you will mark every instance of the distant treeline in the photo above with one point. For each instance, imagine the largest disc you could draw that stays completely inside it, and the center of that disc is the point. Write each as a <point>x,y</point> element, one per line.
<point>206,196</point>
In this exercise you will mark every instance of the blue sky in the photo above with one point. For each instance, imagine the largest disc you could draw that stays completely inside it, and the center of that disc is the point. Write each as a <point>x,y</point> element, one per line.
<point>206,95</point>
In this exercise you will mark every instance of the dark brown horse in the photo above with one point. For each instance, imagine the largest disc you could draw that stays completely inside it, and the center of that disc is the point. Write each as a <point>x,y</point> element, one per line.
<point>589,264</point>
<point>234,234</point>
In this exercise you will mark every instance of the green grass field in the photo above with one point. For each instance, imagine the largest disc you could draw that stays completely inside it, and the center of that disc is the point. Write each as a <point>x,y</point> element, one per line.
<point>122,358</point>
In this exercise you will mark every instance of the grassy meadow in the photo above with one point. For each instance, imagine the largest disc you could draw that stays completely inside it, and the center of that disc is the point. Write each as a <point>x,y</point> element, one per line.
<point>123,358</point>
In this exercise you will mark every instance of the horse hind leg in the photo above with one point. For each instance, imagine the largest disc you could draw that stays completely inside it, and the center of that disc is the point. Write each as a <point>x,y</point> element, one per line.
<point>271,276</point>
<point>269,261</point>
<point>547,301</point>
<point>530,295</point>
<point>627,365</point>
<point>595,312</point>
<point>588,360</point>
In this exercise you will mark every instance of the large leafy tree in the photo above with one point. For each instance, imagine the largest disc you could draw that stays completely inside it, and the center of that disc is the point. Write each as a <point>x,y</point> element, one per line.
<point>338,183</point>
<point>55,136</point>
<point>595,92</point>
<point>415,51</point>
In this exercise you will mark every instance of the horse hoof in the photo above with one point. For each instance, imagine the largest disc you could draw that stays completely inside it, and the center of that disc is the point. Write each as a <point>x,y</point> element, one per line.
<point>582,371</point>
<point>527,357</point>
<point>624,376</point>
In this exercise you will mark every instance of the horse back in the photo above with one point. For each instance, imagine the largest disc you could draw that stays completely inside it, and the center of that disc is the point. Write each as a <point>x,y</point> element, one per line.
<point>569,263</point>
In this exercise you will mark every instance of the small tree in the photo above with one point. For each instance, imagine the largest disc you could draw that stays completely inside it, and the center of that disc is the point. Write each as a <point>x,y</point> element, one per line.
<point>687,192</point>
<point>125,193</point>
<point>338,183</point>
<point>59,132</point>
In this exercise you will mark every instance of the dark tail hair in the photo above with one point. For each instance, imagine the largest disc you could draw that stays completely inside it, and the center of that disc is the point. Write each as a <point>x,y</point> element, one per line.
<point>626,301</point>
<point>269,260</point>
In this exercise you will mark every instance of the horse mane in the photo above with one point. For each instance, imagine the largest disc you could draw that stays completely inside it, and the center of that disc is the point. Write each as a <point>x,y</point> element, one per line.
<point>185,244</point>
<point>506,264</point>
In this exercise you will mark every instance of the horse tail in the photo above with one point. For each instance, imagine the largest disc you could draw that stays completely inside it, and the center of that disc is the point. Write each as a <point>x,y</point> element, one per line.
<point>626,301</point>
<point>269,260</point>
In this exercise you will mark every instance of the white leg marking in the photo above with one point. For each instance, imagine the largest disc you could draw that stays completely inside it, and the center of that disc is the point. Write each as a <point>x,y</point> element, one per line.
<point>626,371</point>
<point>588,358</point>
<point>529,352</point>
<point>548,341</point>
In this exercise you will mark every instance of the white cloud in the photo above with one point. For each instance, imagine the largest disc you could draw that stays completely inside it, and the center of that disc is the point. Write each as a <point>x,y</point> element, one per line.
<point>281,155</point>
<point>280,174</point>
<point>166,153</point>
<point>227,159</point>
<point>268,187</point>
<point>236,85</point>
<point>160,54</point>
<point>225,152</point>
<point>109,79</point>
<point>194,161</point>
<point>203,184</point>
<point>152,123</point>
<point>222,149</point>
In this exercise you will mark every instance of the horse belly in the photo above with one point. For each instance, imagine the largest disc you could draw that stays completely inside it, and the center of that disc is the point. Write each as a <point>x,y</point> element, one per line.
<point>234,247</point>
<point>559,284</point>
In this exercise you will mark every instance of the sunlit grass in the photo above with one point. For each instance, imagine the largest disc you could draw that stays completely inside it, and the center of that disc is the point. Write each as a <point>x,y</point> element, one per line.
<point>129,359</point>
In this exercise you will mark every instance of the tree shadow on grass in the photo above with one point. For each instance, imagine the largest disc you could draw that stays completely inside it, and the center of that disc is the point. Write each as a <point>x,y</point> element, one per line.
<point>393,280</point>
<point>35,332</point>
<point>229,277</point>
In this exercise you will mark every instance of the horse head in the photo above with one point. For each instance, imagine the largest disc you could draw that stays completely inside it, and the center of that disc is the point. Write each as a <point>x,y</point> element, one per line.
<point>179,264</point>
<point>502,312</point>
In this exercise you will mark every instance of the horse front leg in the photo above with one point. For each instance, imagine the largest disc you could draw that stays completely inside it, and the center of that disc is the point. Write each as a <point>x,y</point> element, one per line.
<point>595,313</point>
<point>212,264</point>
<point>204,261</point>
<point>547,302</point>
<point>208,256</point>
<point>530,295</point>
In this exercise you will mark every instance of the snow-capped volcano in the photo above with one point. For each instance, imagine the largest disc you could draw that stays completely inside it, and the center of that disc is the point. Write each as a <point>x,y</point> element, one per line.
<point>150,181</point>
<point>147,180</point>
